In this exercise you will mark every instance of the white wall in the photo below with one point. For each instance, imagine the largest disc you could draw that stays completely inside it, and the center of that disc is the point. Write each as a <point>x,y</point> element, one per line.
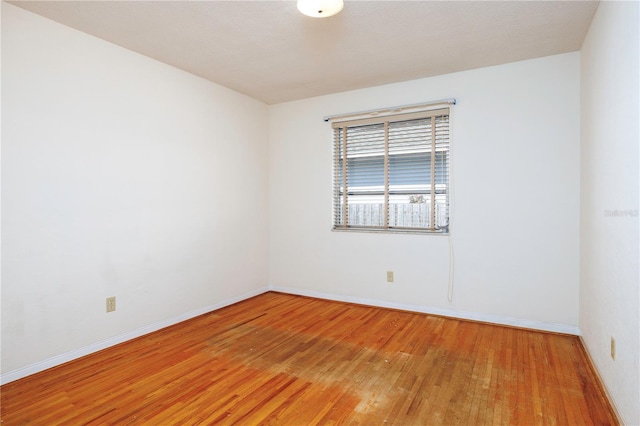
<point>609,273</point>
<point>125,177</point>
<point>515,231</point>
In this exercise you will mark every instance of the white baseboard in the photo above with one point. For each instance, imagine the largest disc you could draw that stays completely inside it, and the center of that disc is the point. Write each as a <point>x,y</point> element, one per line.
<point>493,319</point>
<point>603,386</point>
<point>77,353</point>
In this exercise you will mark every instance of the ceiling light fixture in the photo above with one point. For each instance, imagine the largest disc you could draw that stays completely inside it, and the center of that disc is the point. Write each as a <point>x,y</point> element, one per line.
<point>320,8</point>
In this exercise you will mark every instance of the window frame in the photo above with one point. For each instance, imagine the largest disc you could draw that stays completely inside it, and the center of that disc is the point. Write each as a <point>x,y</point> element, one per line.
<point>436,142</point>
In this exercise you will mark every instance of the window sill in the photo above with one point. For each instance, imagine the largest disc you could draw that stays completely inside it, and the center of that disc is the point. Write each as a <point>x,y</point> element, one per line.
<point>391,231</point>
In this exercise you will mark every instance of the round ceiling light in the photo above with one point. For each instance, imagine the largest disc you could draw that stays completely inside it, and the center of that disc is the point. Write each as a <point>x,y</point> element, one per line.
<point>320,8</point>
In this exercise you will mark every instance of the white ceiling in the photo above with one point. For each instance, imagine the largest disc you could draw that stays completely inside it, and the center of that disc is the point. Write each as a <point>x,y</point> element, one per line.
<point>271,52</point>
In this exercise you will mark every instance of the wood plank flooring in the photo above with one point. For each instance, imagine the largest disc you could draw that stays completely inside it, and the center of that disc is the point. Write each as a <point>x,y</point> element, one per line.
<point>289,360</point>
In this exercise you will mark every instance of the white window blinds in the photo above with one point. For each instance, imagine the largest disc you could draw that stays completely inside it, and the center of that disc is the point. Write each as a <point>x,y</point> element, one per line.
<point>392,173</point>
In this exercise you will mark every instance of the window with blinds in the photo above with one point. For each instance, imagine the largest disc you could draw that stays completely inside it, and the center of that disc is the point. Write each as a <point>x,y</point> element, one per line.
<point>392,173</point>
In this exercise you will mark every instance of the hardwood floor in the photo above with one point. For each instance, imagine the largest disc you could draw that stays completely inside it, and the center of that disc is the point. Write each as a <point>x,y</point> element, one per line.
<point>290,360</point>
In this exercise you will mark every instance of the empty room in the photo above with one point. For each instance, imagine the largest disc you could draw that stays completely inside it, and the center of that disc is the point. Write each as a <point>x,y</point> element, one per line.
<point>320,212</point>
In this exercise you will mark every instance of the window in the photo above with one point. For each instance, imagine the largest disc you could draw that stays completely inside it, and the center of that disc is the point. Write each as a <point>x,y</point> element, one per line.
<point>392,173</point>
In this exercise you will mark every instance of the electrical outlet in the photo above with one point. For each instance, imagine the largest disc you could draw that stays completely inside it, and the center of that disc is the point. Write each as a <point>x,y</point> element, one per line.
<point>613,348</point>
<point>111,304</point>
<point>389,276</point>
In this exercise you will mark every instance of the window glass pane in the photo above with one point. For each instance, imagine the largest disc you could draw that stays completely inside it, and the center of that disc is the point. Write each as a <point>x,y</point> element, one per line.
<point>409,172</point>
<point>338,189</point>
<point>409,211</point>
<point>365,174</point>
<point>366,210</point>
